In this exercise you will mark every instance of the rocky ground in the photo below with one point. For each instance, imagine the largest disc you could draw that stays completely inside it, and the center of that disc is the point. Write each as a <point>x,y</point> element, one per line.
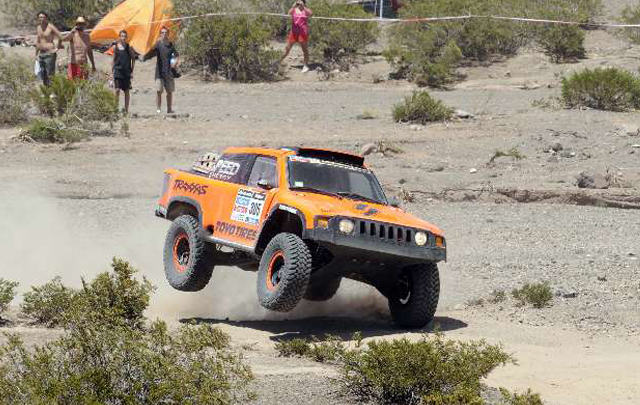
<point>507,222</point>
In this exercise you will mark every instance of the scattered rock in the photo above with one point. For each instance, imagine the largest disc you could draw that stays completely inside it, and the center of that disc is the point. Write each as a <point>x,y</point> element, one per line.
<point>566,293</point>
<point>602,278</point>
<point>244,116</point>
<point>368,149</point>
<point>463,114</point>
<point>556,147</point>
<point>594,181</point>
<point>567,153</point>
<point>636,146</point>
<point>416,127</point>
<point>630,129</point>
<point>473,170</point>
<point>437,168</point>
<point>402,181</point>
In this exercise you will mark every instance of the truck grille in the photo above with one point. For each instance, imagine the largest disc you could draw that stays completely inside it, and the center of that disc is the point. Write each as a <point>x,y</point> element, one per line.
<point>386,232</point>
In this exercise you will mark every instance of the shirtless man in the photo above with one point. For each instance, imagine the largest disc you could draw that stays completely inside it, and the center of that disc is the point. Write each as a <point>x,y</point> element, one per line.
<point>79,51</point>
<point>46,49</point>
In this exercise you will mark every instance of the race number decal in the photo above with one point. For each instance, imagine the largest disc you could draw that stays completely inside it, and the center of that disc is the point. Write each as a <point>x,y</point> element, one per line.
<point>248,207</point>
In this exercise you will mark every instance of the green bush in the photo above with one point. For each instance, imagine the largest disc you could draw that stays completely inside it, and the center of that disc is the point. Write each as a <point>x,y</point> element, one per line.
<point>62,13</point>
<point>236,47</point>
<point>528,398</point>
<point>563,43</point>
<point>49,130</point>
<point>88,100</point>
<point>16,81</point>
<point>47,304</point>
<point>331,348</point>
<point>538,294</point>
<point>96,363</point>
<point>294,347</point>
<point>114,298</point>
<point>421,108</point>
<point>609,89</point>
<point>430,371</point>
<point>7,293</point>
<point>339,41</point>
<point>631,15</point>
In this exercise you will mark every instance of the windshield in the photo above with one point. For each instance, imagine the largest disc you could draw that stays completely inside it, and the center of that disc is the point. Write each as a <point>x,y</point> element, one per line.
<point>334,178</point>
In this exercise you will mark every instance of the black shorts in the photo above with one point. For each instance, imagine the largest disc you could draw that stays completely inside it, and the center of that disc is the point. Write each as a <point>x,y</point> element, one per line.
<point>122,84</point>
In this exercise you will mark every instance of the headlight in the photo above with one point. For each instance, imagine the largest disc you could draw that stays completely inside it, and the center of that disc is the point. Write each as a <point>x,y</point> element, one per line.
<point>421,238</point>
<point>346,226</point>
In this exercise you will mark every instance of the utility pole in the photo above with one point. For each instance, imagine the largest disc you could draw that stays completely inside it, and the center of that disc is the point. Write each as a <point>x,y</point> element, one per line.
<point>381,8</point>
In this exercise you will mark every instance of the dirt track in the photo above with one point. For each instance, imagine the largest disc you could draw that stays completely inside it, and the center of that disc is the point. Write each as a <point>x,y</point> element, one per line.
<point>67,212</point>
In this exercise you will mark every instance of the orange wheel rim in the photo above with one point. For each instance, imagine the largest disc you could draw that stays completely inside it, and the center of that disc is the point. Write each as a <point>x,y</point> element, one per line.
<point>181,252</point>
<point>276,263</point>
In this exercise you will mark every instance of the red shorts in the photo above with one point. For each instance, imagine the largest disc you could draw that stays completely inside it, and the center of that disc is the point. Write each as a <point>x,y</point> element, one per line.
<point>77,71</point>
<point>300,38</point>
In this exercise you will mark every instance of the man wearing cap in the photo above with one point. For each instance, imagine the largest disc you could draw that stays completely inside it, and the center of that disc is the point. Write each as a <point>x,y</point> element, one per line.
<point>79,51</point>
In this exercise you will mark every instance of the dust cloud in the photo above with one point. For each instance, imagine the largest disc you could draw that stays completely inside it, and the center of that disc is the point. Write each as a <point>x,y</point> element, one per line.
<point>42,237</point>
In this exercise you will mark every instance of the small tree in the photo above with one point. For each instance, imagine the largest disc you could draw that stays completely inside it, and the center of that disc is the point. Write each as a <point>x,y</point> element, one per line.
<point>7,294</point>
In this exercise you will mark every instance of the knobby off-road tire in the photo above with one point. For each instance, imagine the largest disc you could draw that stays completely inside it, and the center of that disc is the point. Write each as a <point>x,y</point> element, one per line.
<point>187,257</point>
<point>285,269</point>
<point>323,291</point>
<point>418,307</point>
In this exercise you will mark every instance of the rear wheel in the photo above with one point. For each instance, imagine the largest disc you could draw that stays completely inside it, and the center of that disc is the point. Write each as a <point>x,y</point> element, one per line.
<point>414,302</point>
<point>188,260</point>
<point>285,269</point>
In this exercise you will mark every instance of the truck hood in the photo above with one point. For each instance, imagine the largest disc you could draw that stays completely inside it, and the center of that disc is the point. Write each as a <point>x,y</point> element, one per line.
<point>313,204</point>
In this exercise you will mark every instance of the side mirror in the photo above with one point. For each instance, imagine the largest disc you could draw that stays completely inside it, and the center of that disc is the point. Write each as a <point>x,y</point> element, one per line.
<point>262,183</point>
<point>393,201</point>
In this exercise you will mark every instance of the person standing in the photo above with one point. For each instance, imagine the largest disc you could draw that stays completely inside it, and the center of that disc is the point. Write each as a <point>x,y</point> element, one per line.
<point>299,33</point>
<point>122,65</point>
<point>79,51</point>
<point>167,60</point>
<point>46,49</point>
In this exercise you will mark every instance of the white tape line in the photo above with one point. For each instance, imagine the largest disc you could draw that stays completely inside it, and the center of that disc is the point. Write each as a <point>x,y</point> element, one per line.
<point>376,20</point>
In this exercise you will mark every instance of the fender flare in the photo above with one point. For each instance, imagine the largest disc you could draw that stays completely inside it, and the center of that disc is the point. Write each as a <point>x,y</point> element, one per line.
<point>261,243</point>
<point>188,201</point>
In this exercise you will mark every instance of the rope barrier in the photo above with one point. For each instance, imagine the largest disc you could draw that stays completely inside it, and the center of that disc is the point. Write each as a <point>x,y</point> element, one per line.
<point>366,20</point>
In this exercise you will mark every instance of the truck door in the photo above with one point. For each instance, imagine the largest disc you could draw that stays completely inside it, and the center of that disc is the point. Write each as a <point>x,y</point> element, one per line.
<point>241,221</point>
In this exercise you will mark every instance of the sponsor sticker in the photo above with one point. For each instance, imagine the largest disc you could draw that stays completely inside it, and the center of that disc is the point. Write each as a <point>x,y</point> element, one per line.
<point>248,207</point>
<point>224,170</point>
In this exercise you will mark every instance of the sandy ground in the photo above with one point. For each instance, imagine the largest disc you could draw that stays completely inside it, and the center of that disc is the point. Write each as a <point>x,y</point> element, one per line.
<point>67,212</point>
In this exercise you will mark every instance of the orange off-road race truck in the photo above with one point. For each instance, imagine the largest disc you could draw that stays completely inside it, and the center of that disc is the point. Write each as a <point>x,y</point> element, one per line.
<point>304,219</point>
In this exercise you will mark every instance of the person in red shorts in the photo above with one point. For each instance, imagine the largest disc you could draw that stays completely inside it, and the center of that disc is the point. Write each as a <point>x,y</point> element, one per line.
<point>299,33</point>
<point>80,51</point>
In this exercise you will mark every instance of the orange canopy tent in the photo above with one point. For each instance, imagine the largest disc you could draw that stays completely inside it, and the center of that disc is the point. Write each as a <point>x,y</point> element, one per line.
<point>142,19</point>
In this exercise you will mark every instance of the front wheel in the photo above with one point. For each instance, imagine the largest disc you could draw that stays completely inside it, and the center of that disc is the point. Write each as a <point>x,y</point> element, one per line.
<point>188,260</point>
<point>285,269</point>
<point>415,299</point>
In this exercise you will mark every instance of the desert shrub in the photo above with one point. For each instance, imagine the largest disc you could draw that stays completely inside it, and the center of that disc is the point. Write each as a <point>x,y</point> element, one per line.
<point>631,15</point>
<point>537,294</point>
<point>432,370</point>
<point>513,153</point>
<point>528,398</point>
<point>50,130</point>
<point>563,43</point>
<point>339,41</point>
<point>609,89</point>
<point>235,47</point>
<point>16,81</point>
<point>48,303</point>
<point>7,293</point>
<point>89,100</point>
<point>497,296</point>
<point>106,364</point>
<point>294,347</point>
<point>115,298</point>
<point>421,108</point>
<point>62,13</point>
<point>428,53</point>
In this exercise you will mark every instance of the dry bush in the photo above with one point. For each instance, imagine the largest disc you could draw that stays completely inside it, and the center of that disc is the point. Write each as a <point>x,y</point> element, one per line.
<point>62,13</point>
<point>99,363</point>
<point>421,108</point>
<point>338,42</point>
<point>537,294</point>
<point>610,89</point>
<point>16,81</point>
<point>235,47</point>
<point>631,15</point>
<point>50,130</point>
